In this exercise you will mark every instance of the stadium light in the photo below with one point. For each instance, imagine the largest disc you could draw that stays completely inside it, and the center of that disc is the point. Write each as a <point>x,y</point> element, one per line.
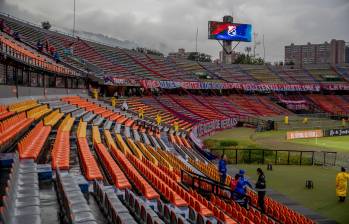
<point>74,19</point>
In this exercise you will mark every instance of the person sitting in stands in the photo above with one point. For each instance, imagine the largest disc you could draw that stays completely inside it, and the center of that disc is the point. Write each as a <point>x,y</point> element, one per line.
<point>47,46</point>
<point>56,56</point>
<point>242,184</point>
<point>239,193</point>
<point>52,50</point>
<point>233,184</point>
<point>16,36</point>
<point>39,46</point>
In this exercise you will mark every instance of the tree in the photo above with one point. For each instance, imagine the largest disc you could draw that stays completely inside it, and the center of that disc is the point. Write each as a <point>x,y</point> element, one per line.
<point>246,59</point>
<point>248,50</point>
<point>46,25</point>
<point>195,56</point>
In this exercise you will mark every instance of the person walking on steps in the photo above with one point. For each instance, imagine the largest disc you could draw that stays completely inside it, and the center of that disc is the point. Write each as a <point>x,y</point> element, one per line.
<point>222,168</point>
<point>260,188</point>
<point>341,184</point>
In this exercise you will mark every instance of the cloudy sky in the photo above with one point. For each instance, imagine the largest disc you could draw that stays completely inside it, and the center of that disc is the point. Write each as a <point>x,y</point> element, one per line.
<point>167,25</point>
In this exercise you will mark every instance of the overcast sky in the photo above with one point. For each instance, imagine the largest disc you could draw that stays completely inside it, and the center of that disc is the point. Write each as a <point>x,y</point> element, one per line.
<point>167,25</point>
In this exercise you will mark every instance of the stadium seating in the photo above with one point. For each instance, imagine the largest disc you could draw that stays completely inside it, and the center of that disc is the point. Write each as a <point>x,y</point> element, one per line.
<point>119,179</point>
<point>22,106</point>
<point>331,103</point>
<point>4,113</point>
<point>89,164</point>
<point>111,205</point>
<point>31,145</point>
<point>53,118</point>
<point>262,73</point>
<point>141,184</point>
<point>73,204</point>
<point>60,154</point>
<point>30,56</point>
<point>21,202</point>
<point>11,127</point>
<point>141,210</point>
<point>279,211</point>
<point>38,112</point>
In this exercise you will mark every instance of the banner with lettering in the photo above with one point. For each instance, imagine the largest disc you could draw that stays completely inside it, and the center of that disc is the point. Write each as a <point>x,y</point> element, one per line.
<point>260,87</point>
<point>210,127</point>
<point>336,132</point>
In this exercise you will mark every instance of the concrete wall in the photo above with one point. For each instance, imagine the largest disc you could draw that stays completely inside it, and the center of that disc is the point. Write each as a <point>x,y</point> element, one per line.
<point>8,93</point>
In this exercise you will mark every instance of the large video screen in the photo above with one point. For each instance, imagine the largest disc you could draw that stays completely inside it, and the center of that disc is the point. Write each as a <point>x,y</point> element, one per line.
<point>229,31</point>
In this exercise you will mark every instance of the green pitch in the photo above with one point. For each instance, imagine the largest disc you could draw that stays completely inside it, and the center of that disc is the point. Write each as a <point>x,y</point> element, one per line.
<point>340,143</point>
<point>248,138</point>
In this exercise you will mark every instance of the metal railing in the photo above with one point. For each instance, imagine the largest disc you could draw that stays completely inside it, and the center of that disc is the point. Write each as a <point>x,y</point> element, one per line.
<point>279,157</point>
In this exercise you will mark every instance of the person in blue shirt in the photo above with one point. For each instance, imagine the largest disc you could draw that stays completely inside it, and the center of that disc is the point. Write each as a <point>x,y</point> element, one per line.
<point>56,56</point>
<point>242,184</point>
<point>239,193</point>
<point>222,168</point>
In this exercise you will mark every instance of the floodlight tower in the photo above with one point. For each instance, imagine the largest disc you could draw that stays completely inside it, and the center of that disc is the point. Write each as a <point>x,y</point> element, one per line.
<point>227,45</point>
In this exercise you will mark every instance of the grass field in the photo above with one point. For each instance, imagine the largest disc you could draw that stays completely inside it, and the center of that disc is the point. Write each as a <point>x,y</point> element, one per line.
<point>340,143</point>
<point>290,181</point>
<point>248,138</point>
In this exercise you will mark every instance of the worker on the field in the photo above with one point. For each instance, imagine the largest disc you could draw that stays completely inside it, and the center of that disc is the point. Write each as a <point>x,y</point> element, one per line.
<point>260,188</point>
<point>341,184</point>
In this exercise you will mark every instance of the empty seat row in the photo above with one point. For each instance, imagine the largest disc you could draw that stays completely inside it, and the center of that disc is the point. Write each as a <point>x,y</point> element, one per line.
<point>60,154</point>
<point>32,144</point>
<point>111,205</point>
<point>134,148</point>
<point>67,123</point>
<point>81,131</point>
<point>146,153</point>
<point>109,139</point>
<point>159,180</point>
<point>121,143</point>
<point>98,120</point>
<point>234,210</point>
<point>142,210</point>
<point>72,202</point>
<point>78,113</point>
<point>116,175</point>
<point>12,126</point>
<point>4,112</point>
<point>22,106</point>
<point>21,203</point>
<point>96,136</point>
<point>53,118</point>
<point>158,157</point>
<point>141,184</point>
<point>88,162</point>
<point>38,112</point>
<point>279,211</point>
<point>175,162</point>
